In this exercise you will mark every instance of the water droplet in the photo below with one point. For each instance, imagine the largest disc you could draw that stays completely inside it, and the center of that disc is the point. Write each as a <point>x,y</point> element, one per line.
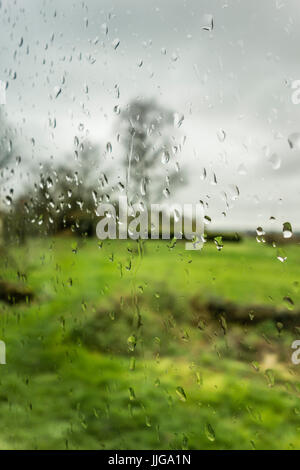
<point>148,421</point>
<point>279,326</point>
<point>181,394</point>
<point>234,192</point>
<point>49,182</point>
<point>116,43</point>
<point>214,180</point>
<point>221,135</point>
<point>178,119</point>
<point>281,256</point>
<point>255,366</point>
<point>176,215</point>
<point>131,342</point>
<point>289,302</point>
<point>143,187</point>
<point>166,193</point>
<point>260,231</point>
<point>203,174</point>
<point>287,230</point>
<point>8,200</point>
<point>218,242</point>
<point>294,140</point>
<point>131,394</point>
<point>57,91</point>
<point>269,374</point>
<point>207,22</point>
<point>275,161</point>
<point>209,432</point>
<point>104,28</point>
<point>174,56</point>
<point>165,158</point>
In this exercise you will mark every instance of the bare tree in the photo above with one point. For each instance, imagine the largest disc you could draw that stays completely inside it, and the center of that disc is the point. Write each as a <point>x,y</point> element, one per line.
<point>64,196</point>
<point>145,129</point>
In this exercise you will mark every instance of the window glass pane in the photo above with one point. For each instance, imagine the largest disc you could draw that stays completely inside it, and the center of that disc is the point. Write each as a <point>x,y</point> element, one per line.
<point>149,229</point>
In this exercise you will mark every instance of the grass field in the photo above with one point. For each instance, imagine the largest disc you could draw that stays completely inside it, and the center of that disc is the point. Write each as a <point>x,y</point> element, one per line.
<point>115,352</point>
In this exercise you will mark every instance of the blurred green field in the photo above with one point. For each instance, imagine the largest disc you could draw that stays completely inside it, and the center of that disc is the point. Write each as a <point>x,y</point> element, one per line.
<point>111,354</point>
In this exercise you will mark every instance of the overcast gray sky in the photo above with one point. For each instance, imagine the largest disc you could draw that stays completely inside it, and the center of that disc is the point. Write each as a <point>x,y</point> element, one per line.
<point>236,78</point>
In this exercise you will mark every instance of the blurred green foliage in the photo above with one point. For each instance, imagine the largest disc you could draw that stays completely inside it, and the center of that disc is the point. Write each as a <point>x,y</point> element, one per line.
<point>112,353</point>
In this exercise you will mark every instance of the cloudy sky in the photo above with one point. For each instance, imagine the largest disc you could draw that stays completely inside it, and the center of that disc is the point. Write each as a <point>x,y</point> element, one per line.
<point>232,84</point>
